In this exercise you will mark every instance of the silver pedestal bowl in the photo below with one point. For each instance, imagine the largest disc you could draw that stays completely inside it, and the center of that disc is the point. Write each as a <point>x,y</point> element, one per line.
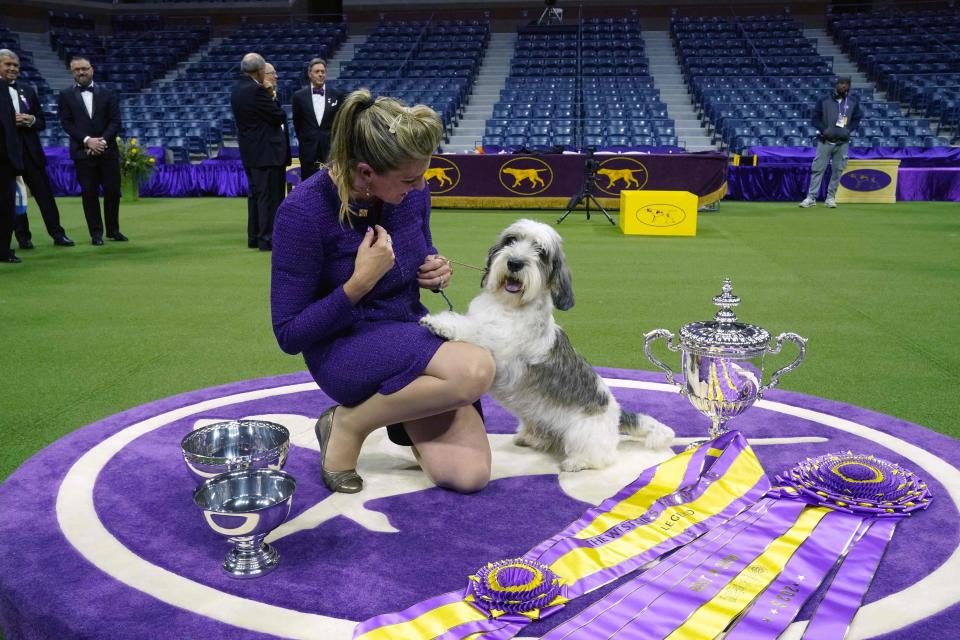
<point>244,507</point>
<point>233,445</point>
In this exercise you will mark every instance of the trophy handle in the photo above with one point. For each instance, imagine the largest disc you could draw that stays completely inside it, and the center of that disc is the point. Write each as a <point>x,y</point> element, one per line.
<point>775,378</point>
<point>648,339</point>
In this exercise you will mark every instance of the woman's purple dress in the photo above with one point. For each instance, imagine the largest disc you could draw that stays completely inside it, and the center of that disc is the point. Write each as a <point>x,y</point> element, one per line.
<point>352,351</point>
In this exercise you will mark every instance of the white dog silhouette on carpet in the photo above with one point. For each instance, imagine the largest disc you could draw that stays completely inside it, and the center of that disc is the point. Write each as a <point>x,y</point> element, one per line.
<point>562,404</point>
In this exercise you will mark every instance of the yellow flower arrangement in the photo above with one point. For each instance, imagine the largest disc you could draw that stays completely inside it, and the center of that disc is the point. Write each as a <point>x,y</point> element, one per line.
<point>134,165</point>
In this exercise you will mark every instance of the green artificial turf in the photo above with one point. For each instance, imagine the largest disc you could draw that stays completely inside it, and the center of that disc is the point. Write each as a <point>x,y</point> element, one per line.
<point>90,331</point>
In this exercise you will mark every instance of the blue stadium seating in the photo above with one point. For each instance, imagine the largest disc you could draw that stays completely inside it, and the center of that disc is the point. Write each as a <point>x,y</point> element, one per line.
<point>753,79</point>
<point>588,87</point>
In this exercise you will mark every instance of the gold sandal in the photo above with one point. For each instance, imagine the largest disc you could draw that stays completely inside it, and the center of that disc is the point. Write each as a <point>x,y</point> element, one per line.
<point>348,481</point>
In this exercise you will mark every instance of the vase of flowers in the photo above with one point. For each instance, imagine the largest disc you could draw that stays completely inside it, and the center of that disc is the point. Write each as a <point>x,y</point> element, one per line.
<point>136,167</point>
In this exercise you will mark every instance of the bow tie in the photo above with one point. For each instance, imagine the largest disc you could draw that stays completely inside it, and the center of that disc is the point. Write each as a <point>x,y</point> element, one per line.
<point>87,88</point>
<point>318,92</point>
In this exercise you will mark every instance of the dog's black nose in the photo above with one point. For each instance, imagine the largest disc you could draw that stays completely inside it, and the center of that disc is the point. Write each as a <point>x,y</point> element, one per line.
<point>514,265</point>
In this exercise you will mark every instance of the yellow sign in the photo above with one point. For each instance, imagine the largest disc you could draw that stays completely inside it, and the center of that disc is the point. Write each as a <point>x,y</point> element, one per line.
<point>658,213</point>
<point>869,181</point>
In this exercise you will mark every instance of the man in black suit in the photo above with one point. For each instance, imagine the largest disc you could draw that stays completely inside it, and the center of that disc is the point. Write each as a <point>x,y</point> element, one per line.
<point>11,164</point>
<point>260,121</point>
<point>90,114</point>
<point>313,110</point>
<point>30,120</point>
<point>270,82</point>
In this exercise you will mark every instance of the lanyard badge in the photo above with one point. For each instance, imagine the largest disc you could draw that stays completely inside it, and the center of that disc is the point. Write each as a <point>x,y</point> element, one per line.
<point>842,113</point>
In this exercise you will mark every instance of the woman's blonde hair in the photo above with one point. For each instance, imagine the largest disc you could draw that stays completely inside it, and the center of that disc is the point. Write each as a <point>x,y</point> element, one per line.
<point>382,132</point>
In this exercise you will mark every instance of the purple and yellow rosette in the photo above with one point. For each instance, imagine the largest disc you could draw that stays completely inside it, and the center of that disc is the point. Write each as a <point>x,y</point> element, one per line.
<point>867,497</point>
<point>861,484</point>
<point>517,589</point>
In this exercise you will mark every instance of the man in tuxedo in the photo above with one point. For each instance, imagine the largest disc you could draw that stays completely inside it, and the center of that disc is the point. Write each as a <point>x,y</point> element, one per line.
<point>90,114</point>
<point>313,110</point>
<point>260,121</point>
<point>270,82</point>
<point>11,164</point>
<point>30,120</point>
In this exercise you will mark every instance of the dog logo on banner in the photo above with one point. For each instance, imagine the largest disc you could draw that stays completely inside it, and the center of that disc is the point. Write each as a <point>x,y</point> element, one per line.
<point>443,175</point>
<point>526,176</point>
<point>622,173</point>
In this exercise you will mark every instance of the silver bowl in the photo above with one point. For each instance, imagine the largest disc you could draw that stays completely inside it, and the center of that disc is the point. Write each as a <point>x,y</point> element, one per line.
<point>233,445</point>
<point>243,507</point>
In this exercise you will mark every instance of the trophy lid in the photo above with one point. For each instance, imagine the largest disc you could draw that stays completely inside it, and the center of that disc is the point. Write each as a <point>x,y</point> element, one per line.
<point>724,334</point>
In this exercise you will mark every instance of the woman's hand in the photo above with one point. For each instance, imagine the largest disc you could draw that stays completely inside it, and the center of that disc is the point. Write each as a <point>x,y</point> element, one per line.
<point>434,273</point>
<point>374,258</point>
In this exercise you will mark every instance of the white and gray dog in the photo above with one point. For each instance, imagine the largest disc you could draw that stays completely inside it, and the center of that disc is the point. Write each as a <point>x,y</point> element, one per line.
<point>562,404</point>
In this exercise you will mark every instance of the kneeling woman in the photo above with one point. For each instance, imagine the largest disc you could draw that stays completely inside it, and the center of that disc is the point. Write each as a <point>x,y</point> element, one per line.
<point>351,250</point>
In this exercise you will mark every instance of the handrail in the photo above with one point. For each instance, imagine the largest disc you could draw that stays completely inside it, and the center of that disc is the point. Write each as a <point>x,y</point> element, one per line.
<point>402,67</point>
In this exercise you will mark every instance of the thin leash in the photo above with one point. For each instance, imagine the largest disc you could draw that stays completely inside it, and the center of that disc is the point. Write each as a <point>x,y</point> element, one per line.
<point>462,264</point>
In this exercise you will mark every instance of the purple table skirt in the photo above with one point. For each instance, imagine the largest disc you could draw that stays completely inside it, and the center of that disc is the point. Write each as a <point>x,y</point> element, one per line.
<point>771,182</point>
<point>170,180</point>
<point>908,157</point>
<point>929,184</point>
<point>58,155</point>
<point>789,182</point>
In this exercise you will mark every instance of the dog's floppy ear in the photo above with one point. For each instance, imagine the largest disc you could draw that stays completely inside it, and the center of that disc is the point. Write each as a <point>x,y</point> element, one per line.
<point>561,283</point>
<point>486,268</point>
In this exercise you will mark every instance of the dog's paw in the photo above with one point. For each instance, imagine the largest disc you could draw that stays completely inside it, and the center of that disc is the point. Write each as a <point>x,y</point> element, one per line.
<point>438,327</point>
<point>659,435</point>
<point>573,464</point>
<point>532,437</point>
<point>521,440</point>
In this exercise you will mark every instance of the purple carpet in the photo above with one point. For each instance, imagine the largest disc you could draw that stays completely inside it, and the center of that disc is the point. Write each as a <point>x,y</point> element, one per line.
<point>100,537</point>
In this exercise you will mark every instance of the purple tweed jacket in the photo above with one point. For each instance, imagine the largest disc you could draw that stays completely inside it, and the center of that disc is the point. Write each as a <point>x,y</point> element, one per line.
<point>349,347</point>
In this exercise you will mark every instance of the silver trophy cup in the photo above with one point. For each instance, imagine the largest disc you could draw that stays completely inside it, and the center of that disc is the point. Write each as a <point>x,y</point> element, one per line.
<point>723,361</point>
<point>243,507</point>
<point>233,445</point>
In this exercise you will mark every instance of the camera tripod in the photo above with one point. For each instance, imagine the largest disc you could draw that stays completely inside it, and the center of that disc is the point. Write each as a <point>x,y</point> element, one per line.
<point>585,195</point>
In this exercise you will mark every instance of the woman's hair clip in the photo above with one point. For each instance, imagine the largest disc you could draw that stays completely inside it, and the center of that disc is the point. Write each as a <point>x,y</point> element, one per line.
<point>393,125</point>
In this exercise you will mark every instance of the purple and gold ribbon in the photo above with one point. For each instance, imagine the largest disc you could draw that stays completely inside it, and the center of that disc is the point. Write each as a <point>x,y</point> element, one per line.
<point>698,597</point>
<point>630,533</point>
<point>845,594</point>
<point>779,604</point>
<point>704,556</point>
<point>755,571</point>
<point>879,492</point>
<point>666,508</point>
